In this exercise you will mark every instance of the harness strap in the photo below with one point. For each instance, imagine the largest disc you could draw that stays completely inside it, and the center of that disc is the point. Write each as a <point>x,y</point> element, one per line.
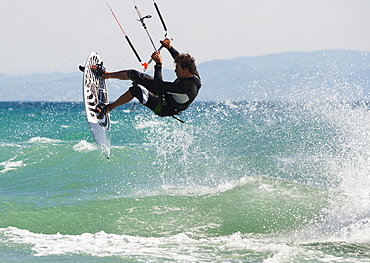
<point>161,102</point>
<point>159,106</point>
<point>173,116</point>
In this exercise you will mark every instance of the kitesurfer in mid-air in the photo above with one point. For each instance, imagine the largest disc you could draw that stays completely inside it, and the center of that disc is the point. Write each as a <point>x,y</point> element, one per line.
<point>162,97</point>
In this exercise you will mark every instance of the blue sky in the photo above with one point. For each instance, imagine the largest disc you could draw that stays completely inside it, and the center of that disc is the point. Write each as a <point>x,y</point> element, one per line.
<point>48,36</point>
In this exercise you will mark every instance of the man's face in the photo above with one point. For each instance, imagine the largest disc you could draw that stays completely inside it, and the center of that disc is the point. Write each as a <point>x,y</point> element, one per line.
<point>180,72</point>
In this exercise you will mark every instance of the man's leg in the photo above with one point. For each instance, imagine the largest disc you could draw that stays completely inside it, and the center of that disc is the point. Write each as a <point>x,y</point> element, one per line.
<point>122,74</point>
<point>130,74</point>
<point>144,96</point>
<point>141,94</point>
<point>124,98</point>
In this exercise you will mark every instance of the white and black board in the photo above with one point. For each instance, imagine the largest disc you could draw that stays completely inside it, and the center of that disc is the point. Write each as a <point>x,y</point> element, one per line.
<point>95,92</point>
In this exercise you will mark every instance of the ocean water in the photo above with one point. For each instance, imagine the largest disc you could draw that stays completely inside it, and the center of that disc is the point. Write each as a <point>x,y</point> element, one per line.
<point>238,182</point>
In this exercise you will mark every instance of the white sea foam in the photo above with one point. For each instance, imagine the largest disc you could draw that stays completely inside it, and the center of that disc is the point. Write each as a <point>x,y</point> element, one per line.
<point>148,124</point>
<point>11,165</point>
<point>230,104</point>
<point>206,190</point>
<point>100,244</point>
<point>84,146</point>
<point>42,140</point>
<point>6,144</point>
<point>8,165</point>
<point>178,248</point>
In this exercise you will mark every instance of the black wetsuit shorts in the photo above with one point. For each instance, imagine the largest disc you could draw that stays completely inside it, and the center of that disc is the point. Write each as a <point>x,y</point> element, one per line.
<point>144,90</point>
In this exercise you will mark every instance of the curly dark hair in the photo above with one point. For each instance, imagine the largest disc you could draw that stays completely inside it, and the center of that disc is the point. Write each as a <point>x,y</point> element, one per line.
<point>186,61</point>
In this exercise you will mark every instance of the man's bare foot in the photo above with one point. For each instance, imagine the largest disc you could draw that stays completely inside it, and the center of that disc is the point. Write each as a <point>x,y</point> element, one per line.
<point>99,69</point>
<point>101,110</point>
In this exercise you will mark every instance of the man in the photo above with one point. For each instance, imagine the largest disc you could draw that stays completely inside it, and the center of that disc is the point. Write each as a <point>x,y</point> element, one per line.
<point>163,98</point>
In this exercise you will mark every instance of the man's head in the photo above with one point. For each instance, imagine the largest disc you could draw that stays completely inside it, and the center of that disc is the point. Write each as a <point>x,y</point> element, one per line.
<point>185,66</point>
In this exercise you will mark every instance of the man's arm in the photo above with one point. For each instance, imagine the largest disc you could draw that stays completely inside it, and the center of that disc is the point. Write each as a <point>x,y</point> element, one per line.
<point>182,87</point>
<point>167,44</point>
<point>156,56</point>
<point>158,72</point>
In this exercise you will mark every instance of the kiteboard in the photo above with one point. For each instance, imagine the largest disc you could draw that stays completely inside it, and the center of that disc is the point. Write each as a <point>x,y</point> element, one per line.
<point>95,92</point>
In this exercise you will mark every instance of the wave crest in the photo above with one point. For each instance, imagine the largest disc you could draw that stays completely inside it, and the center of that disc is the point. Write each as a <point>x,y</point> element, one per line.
<point>84,146</point>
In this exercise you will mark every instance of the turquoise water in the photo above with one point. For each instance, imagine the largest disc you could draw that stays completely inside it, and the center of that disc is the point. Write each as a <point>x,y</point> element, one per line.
<point>239,182</point>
